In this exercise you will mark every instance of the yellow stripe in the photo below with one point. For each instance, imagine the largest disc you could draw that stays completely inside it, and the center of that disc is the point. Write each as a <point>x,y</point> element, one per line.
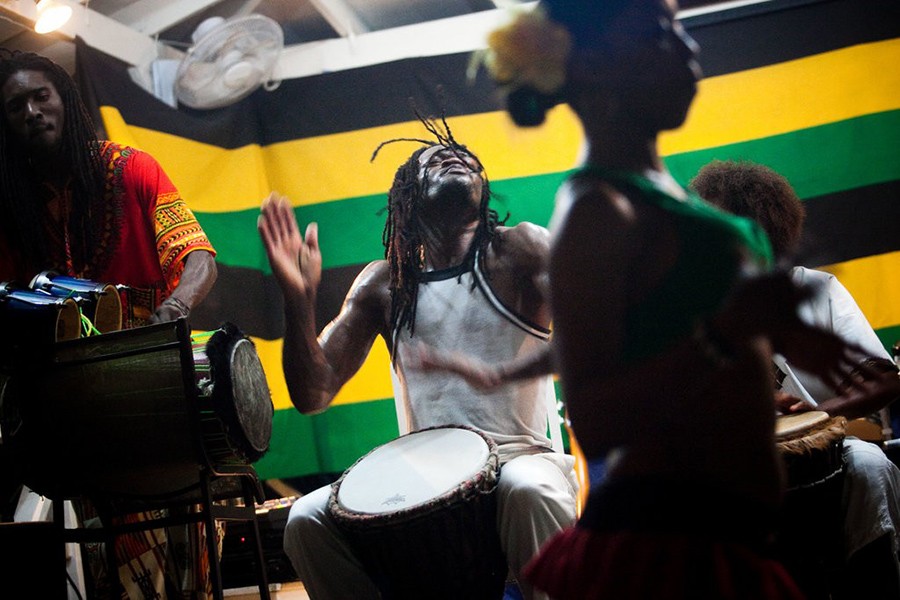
<point>875,285</point>
<point>372,382</point>
<point>333,167</point>
<point>811,91</point>
<point>209,178</point>
<point>730,108</point>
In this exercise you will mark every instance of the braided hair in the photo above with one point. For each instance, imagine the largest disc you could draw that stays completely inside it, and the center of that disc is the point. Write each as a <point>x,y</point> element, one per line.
<point>21,215</point>
<point>404,248</point>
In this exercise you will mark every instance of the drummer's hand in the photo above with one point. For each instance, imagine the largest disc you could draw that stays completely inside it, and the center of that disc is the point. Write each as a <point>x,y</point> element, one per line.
<point>821,353</point>
<point>427,358</point>
<point>868,391</point>
<point>296,263</point>
<point>788,403</point>
<point>169,310</point>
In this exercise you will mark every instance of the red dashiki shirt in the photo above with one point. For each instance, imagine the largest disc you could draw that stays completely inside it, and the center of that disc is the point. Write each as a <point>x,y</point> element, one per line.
<point>144,235</point>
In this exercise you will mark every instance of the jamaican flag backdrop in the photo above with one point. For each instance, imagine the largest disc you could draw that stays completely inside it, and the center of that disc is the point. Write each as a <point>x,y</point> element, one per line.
<point>811,89</point>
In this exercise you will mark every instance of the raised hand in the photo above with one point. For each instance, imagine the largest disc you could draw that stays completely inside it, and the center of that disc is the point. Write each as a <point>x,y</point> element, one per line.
<point>296,262</point>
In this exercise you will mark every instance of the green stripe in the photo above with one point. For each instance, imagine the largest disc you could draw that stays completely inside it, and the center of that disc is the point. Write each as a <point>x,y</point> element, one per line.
<point>350,230</point>
<point>328,442</point>
<point>889,336</point>
<point>818,160</point>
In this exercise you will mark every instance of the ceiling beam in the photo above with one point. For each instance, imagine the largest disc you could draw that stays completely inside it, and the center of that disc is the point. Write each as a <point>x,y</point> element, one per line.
<point>341,16</point>
<point>152,17</point>
<point>443,36</point>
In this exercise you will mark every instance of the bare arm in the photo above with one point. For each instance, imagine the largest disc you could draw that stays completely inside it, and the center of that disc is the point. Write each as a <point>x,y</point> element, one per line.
<point>314,371</point>
<point>873,385</point>
<point>196,281</point>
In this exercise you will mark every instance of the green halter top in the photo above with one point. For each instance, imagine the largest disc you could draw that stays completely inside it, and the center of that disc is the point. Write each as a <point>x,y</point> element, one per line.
<point>714,248</point>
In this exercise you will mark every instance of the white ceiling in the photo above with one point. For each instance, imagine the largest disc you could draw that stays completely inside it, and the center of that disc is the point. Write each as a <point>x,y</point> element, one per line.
<point>324,33</point>
<point>135,30</point>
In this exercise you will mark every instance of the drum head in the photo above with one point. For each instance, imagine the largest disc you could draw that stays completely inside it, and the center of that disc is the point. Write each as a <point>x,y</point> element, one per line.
<point>252,399</point>
<point>412,470</point>
<point>788,425</point>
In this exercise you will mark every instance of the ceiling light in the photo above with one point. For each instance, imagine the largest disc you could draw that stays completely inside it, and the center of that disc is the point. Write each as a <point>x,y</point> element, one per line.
<point>51,15</point>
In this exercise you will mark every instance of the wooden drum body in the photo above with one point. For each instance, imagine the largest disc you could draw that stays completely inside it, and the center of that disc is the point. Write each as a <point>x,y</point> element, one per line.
<point>810,537</point>
<point>129,414</point>
<point>420,512</point>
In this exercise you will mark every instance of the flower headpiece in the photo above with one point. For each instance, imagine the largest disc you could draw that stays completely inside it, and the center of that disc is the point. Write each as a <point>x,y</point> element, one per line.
<point>530,51</point>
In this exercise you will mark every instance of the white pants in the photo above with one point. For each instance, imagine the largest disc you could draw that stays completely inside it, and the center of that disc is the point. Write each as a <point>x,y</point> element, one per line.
<point>535,499</point>
<point>871,495</point>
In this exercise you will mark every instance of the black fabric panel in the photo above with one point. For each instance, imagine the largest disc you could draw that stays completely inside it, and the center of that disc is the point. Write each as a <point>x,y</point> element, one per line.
<point>252,301</point>
<point>851,224</point>
<point>773,32</point>
<point>300,108</point>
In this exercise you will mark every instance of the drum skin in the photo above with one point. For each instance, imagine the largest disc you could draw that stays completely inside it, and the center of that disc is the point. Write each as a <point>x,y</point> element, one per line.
<point>444,544</point>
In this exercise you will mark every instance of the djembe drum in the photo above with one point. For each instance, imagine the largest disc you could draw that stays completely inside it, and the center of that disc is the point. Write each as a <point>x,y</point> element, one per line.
<point>420,513</point>
<point>811,532</point>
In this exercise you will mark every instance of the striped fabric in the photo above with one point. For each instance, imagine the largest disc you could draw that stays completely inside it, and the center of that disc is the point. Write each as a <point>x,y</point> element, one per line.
<point>809,88</point>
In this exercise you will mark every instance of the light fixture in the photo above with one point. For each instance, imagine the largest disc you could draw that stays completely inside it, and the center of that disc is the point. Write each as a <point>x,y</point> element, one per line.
<point>51,15</point>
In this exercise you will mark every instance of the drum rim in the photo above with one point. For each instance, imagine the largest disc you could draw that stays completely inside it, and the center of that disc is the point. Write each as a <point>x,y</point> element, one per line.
<point>487,478</point>
<point>787,426</point>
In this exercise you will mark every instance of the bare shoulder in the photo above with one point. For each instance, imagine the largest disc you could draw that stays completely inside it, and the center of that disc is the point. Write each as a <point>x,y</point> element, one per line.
<point>525,243</point>
<point>595,215</point>
<point>372,282</point>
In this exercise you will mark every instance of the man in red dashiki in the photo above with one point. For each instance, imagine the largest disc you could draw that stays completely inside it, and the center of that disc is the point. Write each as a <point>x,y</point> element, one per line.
<point>105,213</point>
<point>145,236</point>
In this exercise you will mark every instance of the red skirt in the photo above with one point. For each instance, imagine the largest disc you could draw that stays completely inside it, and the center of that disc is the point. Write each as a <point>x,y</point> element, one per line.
<point>581,564</point>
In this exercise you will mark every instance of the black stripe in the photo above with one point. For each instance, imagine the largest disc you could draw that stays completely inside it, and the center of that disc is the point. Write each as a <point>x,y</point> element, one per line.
<point>851,224</point>
<point>381,94</point>
<point>303,107</point>
<point>252,301</point>
<point>773,32</point>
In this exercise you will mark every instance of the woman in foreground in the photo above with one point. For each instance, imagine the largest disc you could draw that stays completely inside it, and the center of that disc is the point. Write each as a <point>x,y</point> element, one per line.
<point>665,317</point>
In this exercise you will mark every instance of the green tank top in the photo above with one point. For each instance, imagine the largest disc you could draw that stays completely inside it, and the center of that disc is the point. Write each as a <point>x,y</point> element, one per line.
<point>715,247</point>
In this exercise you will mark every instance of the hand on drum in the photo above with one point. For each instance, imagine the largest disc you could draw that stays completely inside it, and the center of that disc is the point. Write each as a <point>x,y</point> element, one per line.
<point>788,403</point>
<point>296,262</point>
<point>865,391</point>
<point>169,310</point>
<point>820,353</point>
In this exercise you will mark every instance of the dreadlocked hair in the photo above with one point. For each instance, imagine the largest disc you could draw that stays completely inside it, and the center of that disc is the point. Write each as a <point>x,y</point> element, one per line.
<point>21,214</point>
<point>404,248</point>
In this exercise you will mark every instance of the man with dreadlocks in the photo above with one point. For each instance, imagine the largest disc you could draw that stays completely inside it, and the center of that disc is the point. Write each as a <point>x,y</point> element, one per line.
<point>453,278</point>
<point>99,211</point>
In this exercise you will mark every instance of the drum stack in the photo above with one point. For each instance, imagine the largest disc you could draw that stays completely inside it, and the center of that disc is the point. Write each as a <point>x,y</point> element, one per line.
<point>135,419</point>
<point>55,308</point>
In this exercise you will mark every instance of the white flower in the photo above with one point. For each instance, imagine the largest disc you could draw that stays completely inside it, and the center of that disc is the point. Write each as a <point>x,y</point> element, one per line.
<point>530,51</point>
